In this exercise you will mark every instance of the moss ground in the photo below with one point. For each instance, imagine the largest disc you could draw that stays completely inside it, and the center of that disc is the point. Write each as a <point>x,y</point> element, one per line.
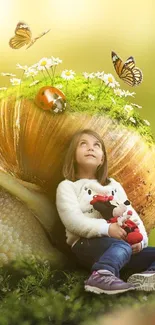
<point>35,293</point>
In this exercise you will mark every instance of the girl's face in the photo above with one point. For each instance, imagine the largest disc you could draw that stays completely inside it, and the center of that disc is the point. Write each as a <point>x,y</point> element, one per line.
<point>89,153</point>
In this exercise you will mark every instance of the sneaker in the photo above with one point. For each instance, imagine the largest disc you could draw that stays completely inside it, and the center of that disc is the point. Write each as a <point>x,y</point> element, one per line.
<point>103,281</point>
<point>143,281</point>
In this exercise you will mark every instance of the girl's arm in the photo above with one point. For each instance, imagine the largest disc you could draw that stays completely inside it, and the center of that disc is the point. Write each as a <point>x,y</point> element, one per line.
<point>73,218</point>
<point>135,217</point>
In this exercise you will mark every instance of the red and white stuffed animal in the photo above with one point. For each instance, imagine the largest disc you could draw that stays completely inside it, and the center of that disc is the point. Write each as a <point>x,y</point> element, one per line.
<point>117,213</point>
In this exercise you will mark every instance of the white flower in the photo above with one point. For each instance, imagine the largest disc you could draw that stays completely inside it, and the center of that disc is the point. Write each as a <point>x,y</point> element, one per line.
<point>15,81</point>
<point>146,122</point>
<point>56,61</point>
<point>7,74</point>
<point>117,83</point>
<point>67,297</point>
<point>21,67</point>
<point>91,97</point>
<point>127,93</point>
<point>44,63</point>
<point>118,92</point>
<point>110,81</point>
<point>3,88</point>
<point>128,108</point>
<point>67,74</point>
<point>136,105</point>
<point>31,72</point>
<point>34,66</point>
<point>132,120</point>
<point>91,75</point>
<point>40,67</point>
<point>60,86</point>
<point>34,83</point>
<point>113,100</point>
<point>145,298</point>
<point>88,75</point>
<point>99,74</point>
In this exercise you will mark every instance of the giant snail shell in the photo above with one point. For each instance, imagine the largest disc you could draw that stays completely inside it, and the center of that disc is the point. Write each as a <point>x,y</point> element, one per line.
<point>32,148</point>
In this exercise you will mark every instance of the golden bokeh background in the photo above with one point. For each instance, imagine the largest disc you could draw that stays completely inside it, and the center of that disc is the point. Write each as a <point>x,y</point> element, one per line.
<point>83,33</point>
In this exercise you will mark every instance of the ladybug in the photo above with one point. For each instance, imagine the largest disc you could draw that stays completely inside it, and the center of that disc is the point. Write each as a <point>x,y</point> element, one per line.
<point>50,99</point>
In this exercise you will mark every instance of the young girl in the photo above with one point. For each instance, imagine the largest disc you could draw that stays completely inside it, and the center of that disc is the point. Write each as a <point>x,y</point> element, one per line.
<point>97,244</point>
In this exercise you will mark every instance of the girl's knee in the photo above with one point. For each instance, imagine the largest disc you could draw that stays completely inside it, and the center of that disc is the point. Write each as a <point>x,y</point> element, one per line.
<point>126,246</point>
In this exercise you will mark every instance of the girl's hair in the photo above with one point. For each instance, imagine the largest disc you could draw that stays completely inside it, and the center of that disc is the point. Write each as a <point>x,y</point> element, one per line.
<point>69,167</point>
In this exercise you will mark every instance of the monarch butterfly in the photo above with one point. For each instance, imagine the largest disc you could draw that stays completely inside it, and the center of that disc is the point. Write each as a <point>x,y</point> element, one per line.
<point>126,70</point>
<point>23,36</point>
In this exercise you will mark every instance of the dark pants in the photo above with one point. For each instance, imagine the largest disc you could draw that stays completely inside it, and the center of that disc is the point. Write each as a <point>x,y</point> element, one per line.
<point>113,255</point>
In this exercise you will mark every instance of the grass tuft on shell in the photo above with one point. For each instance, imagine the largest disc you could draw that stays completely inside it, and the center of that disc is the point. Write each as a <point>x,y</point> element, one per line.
<point>77,93</point>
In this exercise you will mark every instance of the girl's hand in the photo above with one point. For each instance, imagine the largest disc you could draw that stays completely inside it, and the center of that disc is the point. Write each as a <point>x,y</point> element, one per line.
<point>116,231</point>
<point>136,248</point>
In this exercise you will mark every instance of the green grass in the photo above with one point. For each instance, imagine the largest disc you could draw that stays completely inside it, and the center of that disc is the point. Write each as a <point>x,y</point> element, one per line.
<point>77,91</point>
<point>35,293</point>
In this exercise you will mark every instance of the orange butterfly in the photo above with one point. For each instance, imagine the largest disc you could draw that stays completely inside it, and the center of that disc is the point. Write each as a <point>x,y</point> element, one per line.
<point>126,70</point>
<point>23,36</point>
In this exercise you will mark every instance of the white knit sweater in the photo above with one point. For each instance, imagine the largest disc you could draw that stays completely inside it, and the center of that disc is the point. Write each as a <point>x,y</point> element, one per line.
<point>78,215</point>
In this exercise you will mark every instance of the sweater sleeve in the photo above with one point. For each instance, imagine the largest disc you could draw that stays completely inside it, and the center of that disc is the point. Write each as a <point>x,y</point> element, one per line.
<point>72,216</point>
<point>135,217</point>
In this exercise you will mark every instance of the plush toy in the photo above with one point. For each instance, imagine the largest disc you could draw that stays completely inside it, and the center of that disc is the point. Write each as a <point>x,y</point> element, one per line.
<point>114,212</point>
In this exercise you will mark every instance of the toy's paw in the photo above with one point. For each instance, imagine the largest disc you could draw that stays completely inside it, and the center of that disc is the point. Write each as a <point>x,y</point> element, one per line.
<point>134,237</point>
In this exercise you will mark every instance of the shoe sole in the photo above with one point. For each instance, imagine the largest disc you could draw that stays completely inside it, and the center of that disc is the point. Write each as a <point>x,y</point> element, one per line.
<point>143,282</point>
<point>99,291</point>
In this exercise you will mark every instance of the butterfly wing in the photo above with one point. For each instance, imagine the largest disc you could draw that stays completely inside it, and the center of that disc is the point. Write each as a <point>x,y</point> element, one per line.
<point>130,74</point>
<point>22,36</point>
<point>23,29</point>
<point>130,63</point>
<point>138,76</point>
<point>127,76</point>
<point>17,42</point>
<point>127,70</point>
<point>117,62</point>
<point>36,38</point>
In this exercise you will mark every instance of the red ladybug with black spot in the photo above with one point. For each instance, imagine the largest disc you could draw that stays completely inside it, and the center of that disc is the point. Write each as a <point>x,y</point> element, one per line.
<point>51,99</point>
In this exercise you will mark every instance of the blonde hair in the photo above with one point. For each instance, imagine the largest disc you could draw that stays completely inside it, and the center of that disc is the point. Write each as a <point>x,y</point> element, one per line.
<point>69,167</point>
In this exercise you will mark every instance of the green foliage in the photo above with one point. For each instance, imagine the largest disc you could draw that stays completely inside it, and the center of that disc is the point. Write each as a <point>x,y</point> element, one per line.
<point>32,292</point>
<point>77,93</point>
